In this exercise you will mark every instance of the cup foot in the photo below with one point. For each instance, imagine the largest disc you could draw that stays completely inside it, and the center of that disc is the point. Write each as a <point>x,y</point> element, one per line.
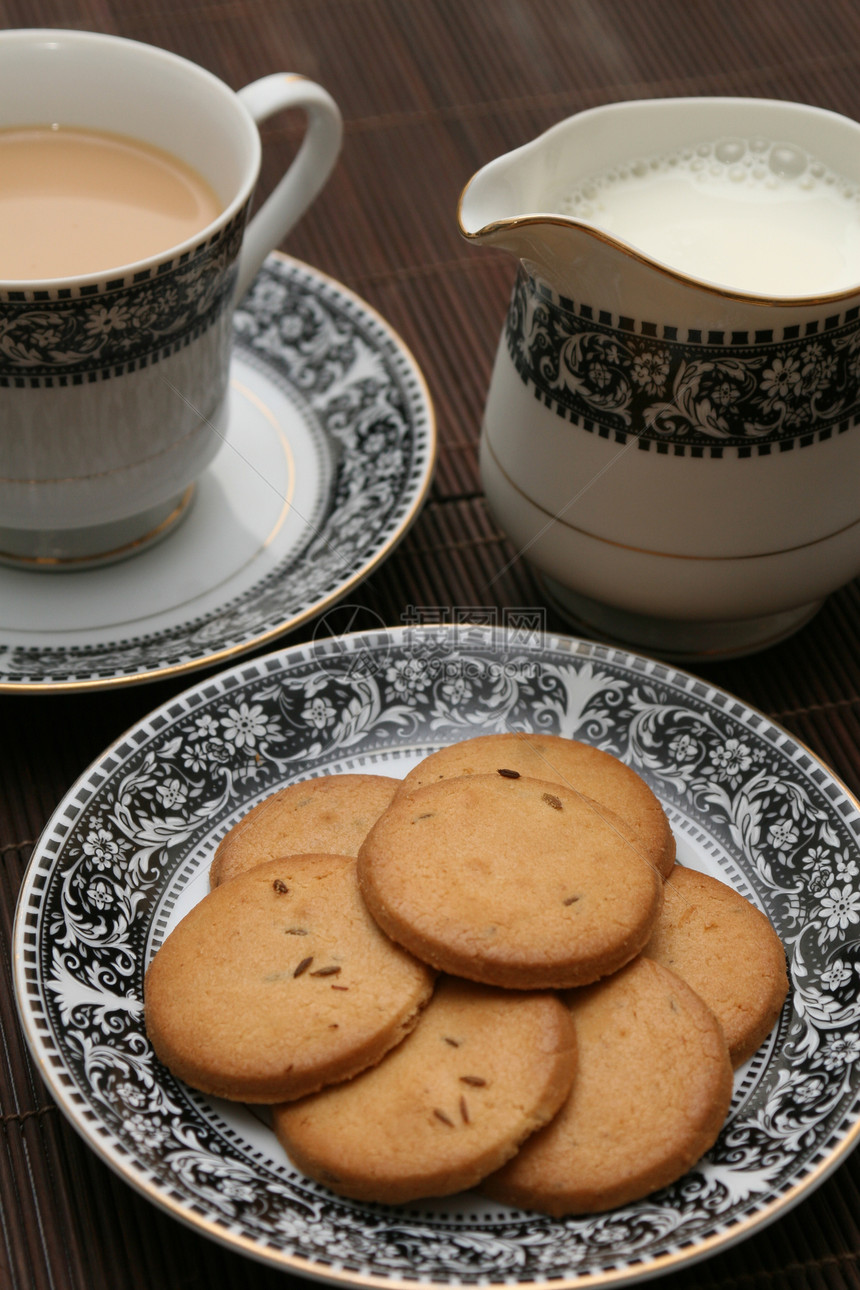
<point>58,550</point>
<point>675,640</point>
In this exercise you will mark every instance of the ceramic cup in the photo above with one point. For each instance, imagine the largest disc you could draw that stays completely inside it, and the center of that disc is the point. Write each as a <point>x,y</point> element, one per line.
<point>113,386</point>
<point>679,459</point>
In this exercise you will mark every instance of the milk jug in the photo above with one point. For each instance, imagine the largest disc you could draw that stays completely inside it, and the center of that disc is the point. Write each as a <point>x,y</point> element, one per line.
<point>670,430</point>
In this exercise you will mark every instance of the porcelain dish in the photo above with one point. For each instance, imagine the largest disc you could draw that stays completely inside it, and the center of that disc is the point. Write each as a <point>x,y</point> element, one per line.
<point>127,852</point>
<point>328,455</point>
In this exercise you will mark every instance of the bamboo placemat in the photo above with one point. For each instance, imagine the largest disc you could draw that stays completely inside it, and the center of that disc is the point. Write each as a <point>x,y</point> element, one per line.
<point>430,90</point>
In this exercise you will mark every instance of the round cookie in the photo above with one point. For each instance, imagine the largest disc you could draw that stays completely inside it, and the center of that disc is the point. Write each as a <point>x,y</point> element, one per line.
<point>726,949</point>
<point>279,982</point>
<point>327,816</point>
<point>652,1090</point>
<point>510,881</point>
<point>591,771</point>
<point>481,1071</point>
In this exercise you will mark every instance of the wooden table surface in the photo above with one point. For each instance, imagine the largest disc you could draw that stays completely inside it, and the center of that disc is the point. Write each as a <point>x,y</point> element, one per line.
<point>430,90</point>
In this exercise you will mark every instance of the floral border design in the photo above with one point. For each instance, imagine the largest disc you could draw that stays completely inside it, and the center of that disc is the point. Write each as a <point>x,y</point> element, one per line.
<point>309,335</point>
<point>68,337</point>
<point>144,818</point>
<point>621,379</point>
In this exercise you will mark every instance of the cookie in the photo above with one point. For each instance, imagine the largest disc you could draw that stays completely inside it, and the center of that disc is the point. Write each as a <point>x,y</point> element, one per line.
<point>327,816</point>
<point>510,881</point>
<point>652,1090</point>
<point>481,1071</point>
<point>278,982</point>
<point>578,766</point>
<point>726,949</point>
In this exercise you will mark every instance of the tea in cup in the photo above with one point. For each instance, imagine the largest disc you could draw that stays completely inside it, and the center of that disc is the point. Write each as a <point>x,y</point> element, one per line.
<point>128,176</point>
<point>79,201</point>
<point>669,432</point>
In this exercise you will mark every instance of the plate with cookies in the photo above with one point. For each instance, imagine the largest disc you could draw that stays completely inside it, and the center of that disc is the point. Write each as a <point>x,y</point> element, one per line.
<point>453,954</point>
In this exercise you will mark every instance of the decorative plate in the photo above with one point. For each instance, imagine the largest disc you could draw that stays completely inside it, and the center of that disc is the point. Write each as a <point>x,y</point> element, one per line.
<point>327,458</point>
<point>127,854</point>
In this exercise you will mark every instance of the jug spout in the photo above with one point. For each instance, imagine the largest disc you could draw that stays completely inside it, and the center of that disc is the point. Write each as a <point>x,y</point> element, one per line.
<point>495,210</point>
<point>711,195</point>
<point>490,206</point>
<point>503,204</point>
<point>511,204</point>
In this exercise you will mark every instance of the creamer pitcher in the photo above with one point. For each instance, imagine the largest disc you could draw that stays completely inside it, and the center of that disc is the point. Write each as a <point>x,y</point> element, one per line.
<point>669,433</point>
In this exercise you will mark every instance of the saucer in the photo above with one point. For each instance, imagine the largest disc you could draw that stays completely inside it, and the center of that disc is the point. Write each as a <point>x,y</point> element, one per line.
<point>326,461</point>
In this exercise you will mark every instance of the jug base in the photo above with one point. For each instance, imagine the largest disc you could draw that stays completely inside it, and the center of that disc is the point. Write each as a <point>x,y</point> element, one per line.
<point>675,640</point>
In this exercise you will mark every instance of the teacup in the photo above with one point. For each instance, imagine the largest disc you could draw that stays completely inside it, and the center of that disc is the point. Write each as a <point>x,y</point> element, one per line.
<point>113,384</point>
<point>672,440</point>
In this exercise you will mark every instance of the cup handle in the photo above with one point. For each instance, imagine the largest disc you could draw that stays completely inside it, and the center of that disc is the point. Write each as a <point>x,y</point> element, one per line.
<point>308,173</point>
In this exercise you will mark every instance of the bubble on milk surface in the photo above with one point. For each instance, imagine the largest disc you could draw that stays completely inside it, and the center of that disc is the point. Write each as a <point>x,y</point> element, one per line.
<point>769,164</point>
<point>758,215</point>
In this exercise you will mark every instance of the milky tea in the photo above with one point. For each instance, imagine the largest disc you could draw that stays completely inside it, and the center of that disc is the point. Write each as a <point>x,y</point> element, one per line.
<point>76,201</point>
<point>752,215</point>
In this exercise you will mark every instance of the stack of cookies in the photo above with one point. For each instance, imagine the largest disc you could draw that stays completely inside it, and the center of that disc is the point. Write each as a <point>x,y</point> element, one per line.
<point>491,973</point>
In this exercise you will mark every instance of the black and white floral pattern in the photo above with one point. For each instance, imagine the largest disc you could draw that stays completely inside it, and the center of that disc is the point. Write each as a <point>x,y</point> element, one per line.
<point>365,394</point>
<point>696,392</point>
<point>66,335</point>
<point>140,826</point>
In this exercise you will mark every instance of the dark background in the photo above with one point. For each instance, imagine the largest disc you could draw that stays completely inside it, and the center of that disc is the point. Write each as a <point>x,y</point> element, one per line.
<point>430,90</point>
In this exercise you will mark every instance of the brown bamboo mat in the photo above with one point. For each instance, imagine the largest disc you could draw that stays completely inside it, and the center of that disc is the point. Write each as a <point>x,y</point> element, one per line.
<point>430,90</point>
